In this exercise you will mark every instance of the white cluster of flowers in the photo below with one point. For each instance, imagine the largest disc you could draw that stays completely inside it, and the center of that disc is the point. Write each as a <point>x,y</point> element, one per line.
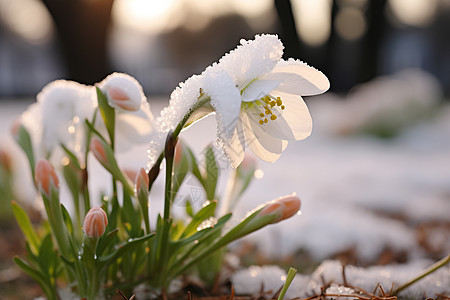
<point>62,107</point>
<point>255,94</point>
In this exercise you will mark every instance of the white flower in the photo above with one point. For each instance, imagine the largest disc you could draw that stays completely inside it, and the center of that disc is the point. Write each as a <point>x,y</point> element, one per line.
<point>123,92</point>
<point>134,120</point>
<point>58,118</point>
<point>265,109</point>
<point>256,96</point>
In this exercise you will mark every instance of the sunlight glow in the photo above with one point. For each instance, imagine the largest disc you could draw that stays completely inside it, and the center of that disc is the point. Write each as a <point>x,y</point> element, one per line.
<point>28,19</point>
<point>313,20</point>
<point>414,12</point>
<point>251,8</point>
<point>150,16</point>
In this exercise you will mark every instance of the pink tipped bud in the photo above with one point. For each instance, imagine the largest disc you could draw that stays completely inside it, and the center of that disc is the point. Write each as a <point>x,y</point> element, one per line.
<point>15,128</point>
<point>98,149</point>
<point>178,153</point>
<point>45,177</point>
<point>248,164</point>
<point>95,222</point>
<point>123,91</point>
<point>142,181</point>
<point>284,207</point>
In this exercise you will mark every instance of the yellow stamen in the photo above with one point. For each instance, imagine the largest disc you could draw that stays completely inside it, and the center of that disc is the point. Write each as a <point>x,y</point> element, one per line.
<point>268,103</point>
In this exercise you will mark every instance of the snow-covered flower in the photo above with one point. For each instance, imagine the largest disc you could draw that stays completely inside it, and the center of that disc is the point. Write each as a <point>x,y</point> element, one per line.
<point>256,96</point>
<point>122,91</point>
<point>265,109</point>
<point>134,120</point>
<point>58,118</point>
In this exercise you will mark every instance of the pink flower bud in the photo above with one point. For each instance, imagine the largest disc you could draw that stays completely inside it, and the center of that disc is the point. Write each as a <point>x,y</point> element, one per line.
<point>142,181</point>
<point>98,149</point>
<point>15,128</point>
<point>45,177</point>
<point>178,153</point>
<point>284,207</point>
<point>248,164</point>
<point>123,91</point>
<point>95,222</point>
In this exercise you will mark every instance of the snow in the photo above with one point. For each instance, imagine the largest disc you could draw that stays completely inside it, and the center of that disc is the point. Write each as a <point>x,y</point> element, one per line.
<point>268,279</point>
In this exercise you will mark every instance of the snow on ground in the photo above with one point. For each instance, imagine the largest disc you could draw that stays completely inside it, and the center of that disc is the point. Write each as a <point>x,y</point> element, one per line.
<point>270,278</point>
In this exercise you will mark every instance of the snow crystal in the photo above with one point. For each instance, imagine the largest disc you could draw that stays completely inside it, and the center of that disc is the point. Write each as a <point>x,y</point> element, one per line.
<point>182,100</point>
<point>339,290</point>
<point>252,59</point>
<point>127,84</point>
<point>251,281</point>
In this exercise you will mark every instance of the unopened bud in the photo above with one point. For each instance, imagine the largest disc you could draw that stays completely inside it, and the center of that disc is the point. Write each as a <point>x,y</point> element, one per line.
<point>45,177</point>
<point>15,127</point>
<point>97,148</point>
<point>283,207</point>
<point>142,181</point>
<point>95,222</point>
<point>123,91</point>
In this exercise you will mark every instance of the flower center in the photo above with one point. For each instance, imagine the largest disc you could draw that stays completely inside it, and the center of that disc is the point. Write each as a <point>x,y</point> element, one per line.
<point>269,105</point>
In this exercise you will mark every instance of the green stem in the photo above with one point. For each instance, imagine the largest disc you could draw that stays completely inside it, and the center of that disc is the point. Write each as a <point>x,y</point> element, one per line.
<point>427,272</point>
<point>202,100</point>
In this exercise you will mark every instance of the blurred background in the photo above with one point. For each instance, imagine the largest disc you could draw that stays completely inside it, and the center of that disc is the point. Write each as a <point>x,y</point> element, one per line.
<point>163,42</point>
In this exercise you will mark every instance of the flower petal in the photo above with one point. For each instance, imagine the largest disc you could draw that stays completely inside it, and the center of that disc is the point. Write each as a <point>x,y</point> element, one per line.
<point>265,146</point>
<point>298,78</point>
<point>292,123</point>
<point>258,89</point>
<point>225,98</point>
<point>252,59</point>
<point>234,148</point>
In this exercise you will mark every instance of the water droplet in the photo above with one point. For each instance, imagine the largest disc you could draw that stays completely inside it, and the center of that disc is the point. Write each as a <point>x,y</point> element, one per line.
<point>65,161</point>
<point>196,242</point>
<point>71,129</point>
<point>130,240</point>
<point>283,278</point>
<point>259,174</point>
<point>299,213</point>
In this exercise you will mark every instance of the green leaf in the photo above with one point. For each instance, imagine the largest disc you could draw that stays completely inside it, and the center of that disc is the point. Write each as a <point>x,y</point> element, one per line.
<point>212,173</point>
<point>287,283</point>
<point>24,141</point>
<point>108,114</point>
<point>124,248</point>
<point>25,225</point>
<point>189,210</point>
<point>131,215</point>
<point>67,219</point>
<point>46,254</point>
<point>38,276</point>
<point>200,216</point>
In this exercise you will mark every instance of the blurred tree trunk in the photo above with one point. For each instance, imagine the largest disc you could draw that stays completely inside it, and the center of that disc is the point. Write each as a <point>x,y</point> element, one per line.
<point>83,28</point>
